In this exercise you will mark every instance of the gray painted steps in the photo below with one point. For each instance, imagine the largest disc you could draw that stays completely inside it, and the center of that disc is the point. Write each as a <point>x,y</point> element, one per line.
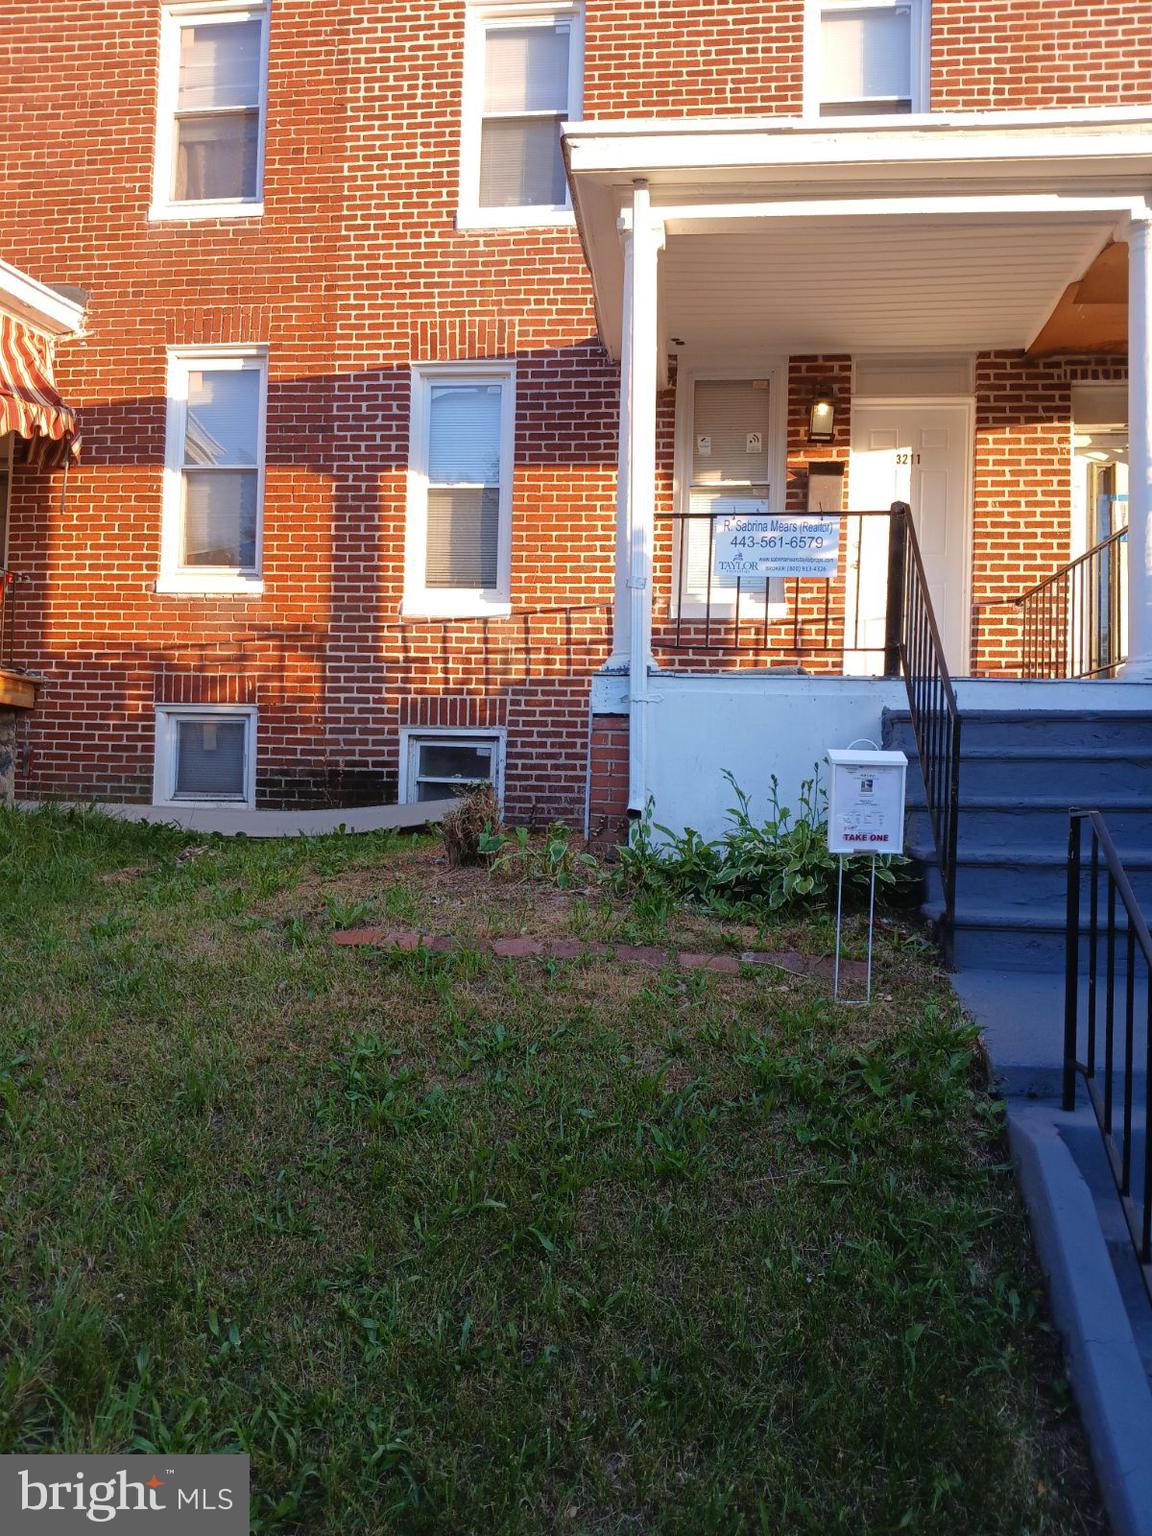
<point>1041,820</point>
<point>1020,773</point>
<point>1078,729</point>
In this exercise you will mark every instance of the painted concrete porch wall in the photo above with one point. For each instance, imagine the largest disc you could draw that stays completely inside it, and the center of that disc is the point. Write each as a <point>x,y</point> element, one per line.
<point>753,725</point>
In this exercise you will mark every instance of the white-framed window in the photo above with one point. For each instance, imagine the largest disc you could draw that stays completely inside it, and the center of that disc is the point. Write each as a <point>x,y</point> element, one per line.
<point>211,110</point>
<point>437,763</point>
<point>523,78</point>
<point>866,58</point>
<point>214,470</point>
<point>461,447</point>
<point>205,755</point>
<point>731,436</point>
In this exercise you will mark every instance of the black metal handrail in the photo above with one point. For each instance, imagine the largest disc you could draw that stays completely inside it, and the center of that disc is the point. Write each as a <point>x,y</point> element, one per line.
<point>1137,950</point>
<point>931,703</point>
<point>1073,620</point>
<point>794,616</point>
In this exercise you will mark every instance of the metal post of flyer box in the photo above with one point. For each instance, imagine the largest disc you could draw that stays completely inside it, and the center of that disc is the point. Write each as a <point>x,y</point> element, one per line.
<point>866,790</point>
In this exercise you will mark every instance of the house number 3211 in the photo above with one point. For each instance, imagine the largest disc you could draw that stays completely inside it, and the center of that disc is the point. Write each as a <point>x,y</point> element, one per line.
<point>907,458</point>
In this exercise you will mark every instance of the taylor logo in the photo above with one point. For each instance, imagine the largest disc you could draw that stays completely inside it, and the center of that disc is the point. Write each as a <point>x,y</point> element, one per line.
<point>186,1494</point>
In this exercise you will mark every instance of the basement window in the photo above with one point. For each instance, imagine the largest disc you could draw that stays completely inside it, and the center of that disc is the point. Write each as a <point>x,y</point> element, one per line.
<point>211,111</point>
<point>867,58</point>
<point>523,78</point>
<point>439,764</point>
<point>205,756</point>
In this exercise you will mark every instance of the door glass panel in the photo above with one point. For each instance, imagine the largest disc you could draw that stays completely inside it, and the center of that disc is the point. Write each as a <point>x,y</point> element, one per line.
<point>729,457</point>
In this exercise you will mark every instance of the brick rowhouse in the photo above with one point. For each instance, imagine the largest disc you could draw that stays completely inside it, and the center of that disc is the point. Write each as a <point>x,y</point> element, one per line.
<point>355,271</point>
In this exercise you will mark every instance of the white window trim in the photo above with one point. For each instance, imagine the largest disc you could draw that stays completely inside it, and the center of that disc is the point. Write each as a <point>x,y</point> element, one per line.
<point>920,74</point>
<point>479,15</point>
<point>775,370</point>
<point>206,580</point>
<point>164,772</point>
<point>420,600</point>
<point>172,18</point>
<point>412,735</point>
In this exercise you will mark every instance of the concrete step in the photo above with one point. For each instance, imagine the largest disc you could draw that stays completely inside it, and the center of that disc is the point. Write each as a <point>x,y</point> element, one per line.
<point>1013,938</point>
<point>1033,878</point>
<point>1040,821</point>
<point>1078,779</point>
<point>1004,730</point>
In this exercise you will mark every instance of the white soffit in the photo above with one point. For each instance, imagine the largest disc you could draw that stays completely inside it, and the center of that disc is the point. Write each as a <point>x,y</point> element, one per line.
<point>814,284</point>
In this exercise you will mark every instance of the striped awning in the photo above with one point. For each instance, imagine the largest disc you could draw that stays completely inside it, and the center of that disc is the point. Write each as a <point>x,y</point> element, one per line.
<point>29,403</point>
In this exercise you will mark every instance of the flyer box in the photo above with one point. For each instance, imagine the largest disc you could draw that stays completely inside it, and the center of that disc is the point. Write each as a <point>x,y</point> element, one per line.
<point>866,793</point>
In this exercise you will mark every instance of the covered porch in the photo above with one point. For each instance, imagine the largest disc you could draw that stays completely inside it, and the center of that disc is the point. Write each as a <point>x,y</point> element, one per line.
<point>816,325</point>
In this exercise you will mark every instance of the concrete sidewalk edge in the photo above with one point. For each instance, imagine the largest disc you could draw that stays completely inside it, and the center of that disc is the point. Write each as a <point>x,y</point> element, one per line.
<point>1104,1362</point>
<point>243,822</point>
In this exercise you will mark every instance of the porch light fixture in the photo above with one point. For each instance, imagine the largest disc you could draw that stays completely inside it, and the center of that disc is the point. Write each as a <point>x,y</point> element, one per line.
<point>822,415</point>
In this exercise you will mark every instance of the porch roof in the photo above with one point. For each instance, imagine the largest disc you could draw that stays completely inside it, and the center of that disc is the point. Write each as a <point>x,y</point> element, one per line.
<point>34,303</point>
<point>941,233</point>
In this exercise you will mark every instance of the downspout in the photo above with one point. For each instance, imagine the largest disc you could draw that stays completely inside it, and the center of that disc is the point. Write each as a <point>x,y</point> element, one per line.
<point>641,301</point>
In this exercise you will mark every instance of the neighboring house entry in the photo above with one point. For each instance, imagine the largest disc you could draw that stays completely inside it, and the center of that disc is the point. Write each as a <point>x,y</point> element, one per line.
<point>921,454</point>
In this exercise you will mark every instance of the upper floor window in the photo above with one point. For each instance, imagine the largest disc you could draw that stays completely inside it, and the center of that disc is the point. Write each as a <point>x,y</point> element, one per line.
<point>214,475</point>
<point>460,489</point>
<point>867,57</point>
<point>523,79</point>
<point>210,129</point>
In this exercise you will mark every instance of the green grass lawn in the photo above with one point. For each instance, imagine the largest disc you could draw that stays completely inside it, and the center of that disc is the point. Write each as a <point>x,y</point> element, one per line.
<point>451,1244</point>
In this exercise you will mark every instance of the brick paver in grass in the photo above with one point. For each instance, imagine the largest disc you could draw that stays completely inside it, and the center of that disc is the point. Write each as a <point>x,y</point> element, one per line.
<point>729,964</point>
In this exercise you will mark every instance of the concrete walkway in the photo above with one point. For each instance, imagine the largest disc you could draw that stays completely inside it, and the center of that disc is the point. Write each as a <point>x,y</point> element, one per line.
<point>249,823</point>
<point>1021,1016</point>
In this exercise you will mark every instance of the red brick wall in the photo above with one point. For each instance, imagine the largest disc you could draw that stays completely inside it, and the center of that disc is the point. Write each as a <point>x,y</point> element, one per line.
<point>1022,492</point>
<point>355,270</point>
<point>608,781</point>
<point>1017,54</point>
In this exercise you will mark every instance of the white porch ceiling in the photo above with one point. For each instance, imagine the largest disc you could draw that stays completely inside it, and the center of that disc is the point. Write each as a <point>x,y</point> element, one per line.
<point>836,285</point>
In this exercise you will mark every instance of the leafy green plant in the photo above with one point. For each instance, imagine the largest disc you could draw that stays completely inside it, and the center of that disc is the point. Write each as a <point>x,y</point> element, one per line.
<point>554,857</point>
<point>779,863</point>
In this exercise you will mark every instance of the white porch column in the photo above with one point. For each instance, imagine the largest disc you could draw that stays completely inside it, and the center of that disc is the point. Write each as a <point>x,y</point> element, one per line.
<point>1139,665</point>
<point>638,429</point>
<point>618,661</point>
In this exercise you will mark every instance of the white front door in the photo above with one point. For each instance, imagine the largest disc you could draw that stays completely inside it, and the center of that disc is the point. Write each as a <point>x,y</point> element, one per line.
<point>919,454</point>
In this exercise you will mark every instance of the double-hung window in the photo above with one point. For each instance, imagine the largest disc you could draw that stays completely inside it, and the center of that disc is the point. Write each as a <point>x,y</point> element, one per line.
<point>523,79</point>
<point>214,474</point>
<point>867,57</point>
<point>212,109</point>
<point>460,489</point>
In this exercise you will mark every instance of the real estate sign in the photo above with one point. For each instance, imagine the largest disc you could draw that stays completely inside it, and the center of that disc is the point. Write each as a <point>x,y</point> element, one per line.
<point>757,543</point>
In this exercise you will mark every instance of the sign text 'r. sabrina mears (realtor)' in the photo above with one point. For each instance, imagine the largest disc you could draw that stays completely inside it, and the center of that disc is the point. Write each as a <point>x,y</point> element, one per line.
<point>758,544</point>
